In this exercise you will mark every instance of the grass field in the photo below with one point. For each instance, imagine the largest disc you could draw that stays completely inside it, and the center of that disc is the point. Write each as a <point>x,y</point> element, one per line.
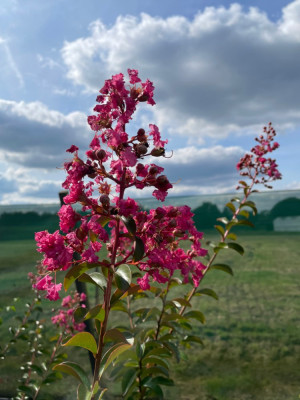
<point>251,335</point>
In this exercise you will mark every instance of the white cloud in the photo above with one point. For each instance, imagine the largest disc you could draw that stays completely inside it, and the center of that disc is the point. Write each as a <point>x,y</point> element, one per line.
<point>225,71</point>
<point>32,135</point>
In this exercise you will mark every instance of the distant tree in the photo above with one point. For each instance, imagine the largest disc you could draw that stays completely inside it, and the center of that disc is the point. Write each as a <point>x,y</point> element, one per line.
<point>206,215</point>
<point>286,208</point>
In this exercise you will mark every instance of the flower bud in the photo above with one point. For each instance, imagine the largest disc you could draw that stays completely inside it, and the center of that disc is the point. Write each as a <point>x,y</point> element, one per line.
<point>158,152</point>
<point>153,170</point>
<point>100,154</point>
<point>172,223</point>
<point>104,200</point>
<point>141,149</point>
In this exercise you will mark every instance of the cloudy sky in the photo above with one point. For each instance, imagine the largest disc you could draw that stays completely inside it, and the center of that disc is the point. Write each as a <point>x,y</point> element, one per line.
<point>221,70</point>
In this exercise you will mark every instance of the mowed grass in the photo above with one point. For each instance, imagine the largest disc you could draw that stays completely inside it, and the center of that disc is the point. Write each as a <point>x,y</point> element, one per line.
<point>251,335</point>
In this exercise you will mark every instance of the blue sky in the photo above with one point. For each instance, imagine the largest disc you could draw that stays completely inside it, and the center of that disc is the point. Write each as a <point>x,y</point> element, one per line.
<point>221,71</point>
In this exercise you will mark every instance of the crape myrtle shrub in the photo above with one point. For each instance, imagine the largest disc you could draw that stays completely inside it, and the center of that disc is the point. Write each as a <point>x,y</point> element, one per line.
<point>145,255</point>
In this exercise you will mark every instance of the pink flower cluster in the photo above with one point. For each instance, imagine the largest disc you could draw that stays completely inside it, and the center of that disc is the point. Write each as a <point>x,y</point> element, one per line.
<point>65,316</point>
<point>115,162</point>
<point>256,165</point>
<point>161,231</point>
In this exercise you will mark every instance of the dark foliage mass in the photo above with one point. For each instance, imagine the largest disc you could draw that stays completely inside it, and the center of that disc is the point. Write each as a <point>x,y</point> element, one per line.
<point>18,225</point>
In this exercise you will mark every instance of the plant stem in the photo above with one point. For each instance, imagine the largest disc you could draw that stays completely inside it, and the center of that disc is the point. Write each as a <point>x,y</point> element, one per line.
<point>107,293</point>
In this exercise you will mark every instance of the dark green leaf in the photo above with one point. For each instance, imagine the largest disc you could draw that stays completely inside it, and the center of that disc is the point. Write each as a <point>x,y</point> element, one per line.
<point>245,222</point>
<point>128,380</point>
<point>75,370</point>
<point>96,278</point>
<point>79,314</point>
<point>251,205</point>
<point>222,267</point>
<point>207,292</point>
<point>155,360</point>
<point>196,315</point>
<point>123,277</point>
<point>139,249</point>
<point>236,247</point>
<point>160,380</point>
<point>193,339</point>
<point>114,335</point>
<point>130,224</point>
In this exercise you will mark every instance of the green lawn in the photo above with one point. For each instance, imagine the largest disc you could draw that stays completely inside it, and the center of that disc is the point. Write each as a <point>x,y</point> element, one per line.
<point>251,334</point>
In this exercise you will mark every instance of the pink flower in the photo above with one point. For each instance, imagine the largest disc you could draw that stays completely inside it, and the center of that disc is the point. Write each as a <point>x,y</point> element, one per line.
<point>144,282</point>
<point>68,218</point>
<point>156,136</point>
<point>133,74</point>
<point>128,207</point>
<point>128,157</point>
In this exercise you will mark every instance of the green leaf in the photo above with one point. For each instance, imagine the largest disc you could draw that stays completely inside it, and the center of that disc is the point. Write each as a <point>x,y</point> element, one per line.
<point>161,380</point>
<point>236,247</point>
<point>123,277</point>
<point>96,278</point>
<point>243,183</point>
<point>130,224</point>
<point>245,222</point>
<point>112,354</point>
<point>155,360</point>
<point>157,370</point>
<point>174,282</point>
<point>232,236</point>
<point>79,314</point>
<point>244,213</point>
<point>171,317</point>
<point>114,335</point>
<point>196,315</point>
<point>224,220</point>
<point>139,249</point>
<point>96,312</point>
<point>222,267</point>
<point>154,388</point>
<point>181,301</point>
<point>103,220</point>
<point>236,199</point>
<point>75,370</point>
<point>128,380</point>
<point>83,393</point>
<point>75,273</point>
<point>220,229</point>
<point>207,292</point>
<point>102,394</point>
<point>83,339</point>
<point>251,205</point>
<point>27,390</point>
<point>231,207</point>
<point>192,338</point>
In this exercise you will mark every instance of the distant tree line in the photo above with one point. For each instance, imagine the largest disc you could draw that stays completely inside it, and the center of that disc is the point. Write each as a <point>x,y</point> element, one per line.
<point>19,225</point>
<point>207,214</point>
